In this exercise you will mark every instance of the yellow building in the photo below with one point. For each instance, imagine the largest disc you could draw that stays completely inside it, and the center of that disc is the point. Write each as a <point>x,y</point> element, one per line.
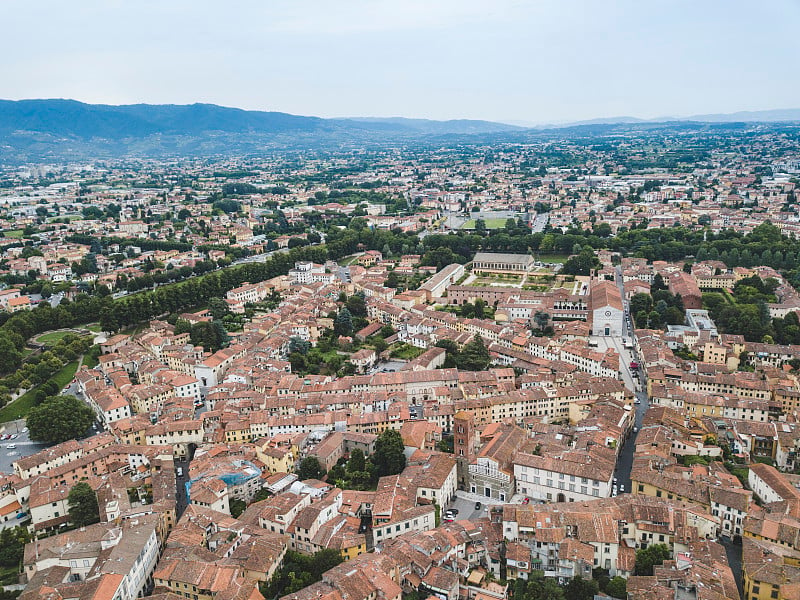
<point>770,571</point>
<point>238,431</point>
<point>277,459</point>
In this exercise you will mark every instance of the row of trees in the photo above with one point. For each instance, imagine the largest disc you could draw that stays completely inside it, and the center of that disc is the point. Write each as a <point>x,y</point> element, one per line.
<point>39,368</point>
<point>765,245</point>
<point>134,309</point>
<point>748,314</point>
<point>17,328</point>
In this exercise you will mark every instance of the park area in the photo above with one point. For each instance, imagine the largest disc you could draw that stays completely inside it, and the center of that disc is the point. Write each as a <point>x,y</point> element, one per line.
<point>21,406</point>
<point>52,337</point>
<point>490,223</point>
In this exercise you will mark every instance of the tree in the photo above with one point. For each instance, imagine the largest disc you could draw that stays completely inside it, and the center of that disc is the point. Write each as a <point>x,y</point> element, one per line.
<point>343,325</point>
<point>210,335</point>
<point>59,419</point>
<point>298,344</point>
<point>299,571</point>
<point>579,588</point>
<point>357,306</point>
<point>389,457</point>
<point>648,557</point>
<point>658,283</point>
<point>82,505</point>
<point>617,587</point>
<point>474,356</point>
<point>237,507</point>
<point>218,308</point>
<point>582,264</point>
<point>10,357</point>
<point>357,461</point>
<point>541,319</point>
<point>451,352</point>
<point>12,546</point>
<point>310,468</point>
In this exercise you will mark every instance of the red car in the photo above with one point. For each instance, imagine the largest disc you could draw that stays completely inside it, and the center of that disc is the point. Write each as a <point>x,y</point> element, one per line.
<point>526,500</point>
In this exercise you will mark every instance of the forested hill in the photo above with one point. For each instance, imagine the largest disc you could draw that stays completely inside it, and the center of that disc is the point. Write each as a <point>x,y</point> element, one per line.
<point>38,128</point>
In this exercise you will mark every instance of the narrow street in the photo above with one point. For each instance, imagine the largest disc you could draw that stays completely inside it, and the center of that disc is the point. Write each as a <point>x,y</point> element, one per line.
<point>634,380</point>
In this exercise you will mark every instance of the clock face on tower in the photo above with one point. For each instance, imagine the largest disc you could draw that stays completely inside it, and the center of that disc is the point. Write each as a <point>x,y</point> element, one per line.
<point>608,313</point>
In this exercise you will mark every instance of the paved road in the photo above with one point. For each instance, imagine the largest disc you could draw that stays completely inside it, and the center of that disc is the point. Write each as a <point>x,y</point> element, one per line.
<point>540,222</point>
<point>734,553</point>
<point>180,482</point>
<point>465,504</point>
<point>23,446</point>
<point>635,384</point>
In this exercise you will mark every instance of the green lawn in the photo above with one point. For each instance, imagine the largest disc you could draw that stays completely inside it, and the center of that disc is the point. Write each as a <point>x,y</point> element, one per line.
<point>22,405</point>
<point>406,352</point>
<point>52,337</point>
<point>346,262</point>
<point>15,234</point>
<point>65,375</point>
<point>552,258</point>
<point>490,224</point>
<point>9,576</point>
<point>95,327</point>
<point>90,361</point>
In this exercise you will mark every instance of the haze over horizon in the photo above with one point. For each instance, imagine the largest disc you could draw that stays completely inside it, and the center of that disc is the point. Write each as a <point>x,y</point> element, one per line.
<point>507,61</point>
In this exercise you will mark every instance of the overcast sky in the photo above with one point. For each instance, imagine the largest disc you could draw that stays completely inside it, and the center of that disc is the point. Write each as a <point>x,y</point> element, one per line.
<point>538,61</point>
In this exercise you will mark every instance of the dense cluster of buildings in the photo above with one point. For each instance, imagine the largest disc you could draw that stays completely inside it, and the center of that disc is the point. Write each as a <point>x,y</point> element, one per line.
<point>544,439</point>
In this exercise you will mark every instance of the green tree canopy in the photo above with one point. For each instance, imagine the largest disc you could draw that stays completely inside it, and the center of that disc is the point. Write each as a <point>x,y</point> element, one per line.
<point>389,457</point>
<point>310,468</point>
<point>59,419</point>
<point>617,587</point>
<point>357,461</point>
<point>12,546</point>
<point>474,356</point>
<point>649,557</point>
<point>83,508</point>
<point>343,325</point>
<point>581,264</point>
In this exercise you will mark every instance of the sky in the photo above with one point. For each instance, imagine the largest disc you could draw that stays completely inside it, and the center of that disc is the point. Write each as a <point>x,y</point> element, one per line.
<point>534,61</point>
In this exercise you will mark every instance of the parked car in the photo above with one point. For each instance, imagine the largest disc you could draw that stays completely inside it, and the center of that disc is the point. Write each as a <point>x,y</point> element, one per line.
<point>526,500</point>
<point>478,506</point>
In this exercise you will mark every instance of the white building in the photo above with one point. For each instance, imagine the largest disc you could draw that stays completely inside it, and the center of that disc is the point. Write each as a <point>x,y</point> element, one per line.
<point>572,477</point>
<point>607,312</point>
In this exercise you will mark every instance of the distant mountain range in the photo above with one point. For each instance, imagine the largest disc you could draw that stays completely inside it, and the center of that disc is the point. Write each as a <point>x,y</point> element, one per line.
<point>72,118</point>
<point>753,116</point>
<point>68,129</point>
